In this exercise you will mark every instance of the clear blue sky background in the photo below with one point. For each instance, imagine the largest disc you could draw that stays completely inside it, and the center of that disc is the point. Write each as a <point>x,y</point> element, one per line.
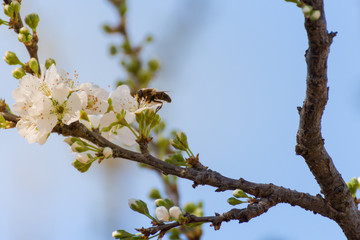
<point>236,73</point>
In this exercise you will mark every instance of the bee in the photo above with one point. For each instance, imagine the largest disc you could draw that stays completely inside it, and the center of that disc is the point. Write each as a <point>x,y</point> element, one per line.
<point>152,95</point>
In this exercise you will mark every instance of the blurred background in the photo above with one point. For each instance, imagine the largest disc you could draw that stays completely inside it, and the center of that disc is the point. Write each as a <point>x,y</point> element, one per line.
<point>235,71</point>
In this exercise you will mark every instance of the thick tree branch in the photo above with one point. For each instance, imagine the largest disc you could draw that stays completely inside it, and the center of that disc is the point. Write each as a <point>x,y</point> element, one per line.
<point>310,143</point>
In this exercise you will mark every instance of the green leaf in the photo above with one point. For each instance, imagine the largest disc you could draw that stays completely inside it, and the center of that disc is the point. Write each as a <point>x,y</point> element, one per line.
<point>81,167</point>
<point>233,201</point>
<point>176,159</point>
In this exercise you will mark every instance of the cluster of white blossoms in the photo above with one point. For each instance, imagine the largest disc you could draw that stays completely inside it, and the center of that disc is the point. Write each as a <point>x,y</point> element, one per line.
<point>53,98</point>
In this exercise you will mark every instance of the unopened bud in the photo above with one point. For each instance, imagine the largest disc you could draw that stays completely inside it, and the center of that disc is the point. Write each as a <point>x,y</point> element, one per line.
<point>32,21</point>
<point>162,214</point>
<point>11,58</point>
<point>18,73</point>
<point>315,15</point>
<point>153,64</point>
<point>16,6</point>
<point>83,158</point>
<point>306,9</point>
<point>107,152</point>
<point>154,194</point>
<point>175,212</point>
<point>49,62</point>
<point>9,11</point>
<point>79,147</point>
<point>34,65</point>
<point>239,193</point>
<point>190,207</point>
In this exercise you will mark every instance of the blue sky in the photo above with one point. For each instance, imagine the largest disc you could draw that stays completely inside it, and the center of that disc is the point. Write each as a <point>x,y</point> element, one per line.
<point>236,73</point>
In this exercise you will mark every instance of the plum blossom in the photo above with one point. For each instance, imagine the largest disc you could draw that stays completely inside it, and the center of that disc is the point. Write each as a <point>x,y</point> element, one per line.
<point>43,102</point>
<point>97,98</point>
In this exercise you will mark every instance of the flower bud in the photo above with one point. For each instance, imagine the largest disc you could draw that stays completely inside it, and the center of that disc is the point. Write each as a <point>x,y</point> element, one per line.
<point>16,6</point>
<point>154,194</point>
<point>162,214</point>
<point>306,9</point>
<point>233,201</point>
<point>159,202</point>
<point>79,147</point>
<point>9,11</point>
<point>107,152</point>
<point>28,38</point>
<point>121,234</point>
<point>18,73</point>
<point>315,15</point>
<point>153,64</point>
<point>34,65</point>
<point>22,37</point>
<point>83,158</point>
<point>11,58</point>
<point>24,30</point>
<point>49,62</point>
<point>175,212</point>
<point>239,193</point>
<point>190,207</point>
<point>138,206</point>
<point>32,21</point>
<point>70,140</point>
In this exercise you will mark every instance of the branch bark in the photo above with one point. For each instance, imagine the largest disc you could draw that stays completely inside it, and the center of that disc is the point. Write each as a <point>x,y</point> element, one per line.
<point>310,144</point>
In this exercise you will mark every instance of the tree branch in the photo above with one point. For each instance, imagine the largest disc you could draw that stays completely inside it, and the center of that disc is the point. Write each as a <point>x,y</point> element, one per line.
<point>310,143</point>
<point>243,215</point>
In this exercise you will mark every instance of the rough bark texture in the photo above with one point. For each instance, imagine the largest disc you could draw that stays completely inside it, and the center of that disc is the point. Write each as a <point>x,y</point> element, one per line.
<point>337,203</point>
<point>310,143</point>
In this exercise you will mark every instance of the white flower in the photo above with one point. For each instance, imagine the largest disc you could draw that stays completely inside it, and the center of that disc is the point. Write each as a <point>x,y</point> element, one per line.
<point>97,98</point>
<point>162,214</point>
<point>175,212</point>
<point>45,101</point>
<point>28,128</point>
<point>107,152</point>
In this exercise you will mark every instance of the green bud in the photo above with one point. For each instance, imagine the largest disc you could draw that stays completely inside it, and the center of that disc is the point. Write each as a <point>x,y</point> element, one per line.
<point>153,65</point>
<point>113,50</point>
<point>239,193</point>
<point>133,66</point>
<point>122,8</point>
<point>32,21</point>
<point>34,65</point>
<point>233,201</point>
<point>122,234</point>
<point>154,194</point>
<point>149,39</point>
<point>22,37</point>
<point>107,28</point>
<point>144,76</point>
<point>190,207</point>
<point>24,30</point>
<point>49,62</point>
<point>28,38</point>
<point>138,206</point>
<point>9,11</point>
<point>11,58</point>
<point>18,73</point>
<point>16,6</point>
<point>126,46</point>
